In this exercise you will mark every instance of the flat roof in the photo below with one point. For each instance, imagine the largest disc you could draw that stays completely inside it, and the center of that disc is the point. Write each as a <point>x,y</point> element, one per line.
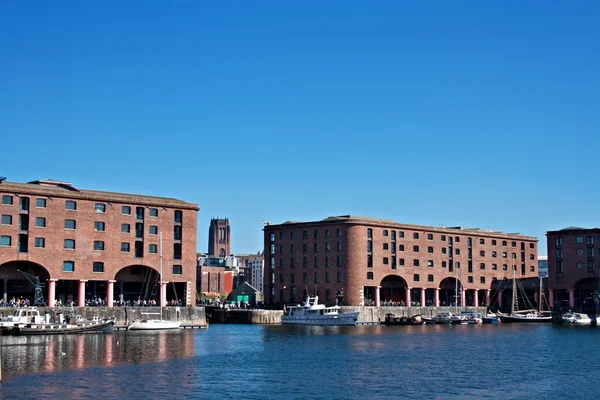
<point>53,188</point>
<point>352,219</point>
<point>573,229</point>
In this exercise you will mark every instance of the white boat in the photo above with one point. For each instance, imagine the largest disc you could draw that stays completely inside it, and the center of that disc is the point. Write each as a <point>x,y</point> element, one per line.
<point>576,318</point>
<point>313,313</point>
<point>21,316</point>
<point>155,324</point>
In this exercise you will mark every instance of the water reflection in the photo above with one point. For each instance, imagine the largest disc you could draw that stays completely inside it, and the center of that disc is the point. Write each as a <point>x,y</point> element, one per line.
<point>28,354</point>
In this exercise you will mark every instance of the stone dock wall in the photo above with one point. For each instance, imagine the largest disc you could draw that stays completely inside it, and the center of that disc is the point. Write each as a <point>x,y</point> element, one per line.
<point>126,315</point>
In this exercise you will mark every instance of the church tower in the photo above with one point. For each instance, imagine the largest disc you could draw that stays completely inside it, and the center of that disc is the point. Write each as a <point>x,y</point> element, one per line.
<point>219,242</point>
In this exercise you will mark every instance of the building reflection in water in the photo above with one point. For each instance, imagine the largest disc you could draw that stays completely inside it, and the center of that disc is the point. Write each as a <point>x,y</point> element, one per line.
<point>66,352</point>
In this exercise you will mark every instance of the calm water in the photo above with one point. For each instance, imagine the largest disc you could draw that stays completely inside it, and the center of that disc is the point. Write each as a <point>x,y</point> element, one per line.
<point>277,362</point>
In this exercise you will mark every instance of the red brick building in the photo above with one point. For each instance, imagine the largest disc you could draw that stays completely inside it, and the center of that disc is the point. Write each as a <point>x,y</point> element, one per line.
<point>86,244</point>
<point>572,266</point>
<point>219,237</point>
<point>357,260</point>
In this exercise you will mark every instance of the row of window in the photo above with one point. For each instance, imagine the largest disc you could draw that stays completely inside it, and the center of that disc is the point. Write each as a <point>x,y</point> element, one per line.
<point>580,252</point>
<point>579,239</point>
<point>316,247</point>
<point>579,265</point>
<point>98,245</point>
<point>444,250</point>
<point>316,234</point>
<point>305,262</point>
<point>97,266</point>
<point>443,238</point>
<point>305,277</point>
<point>71,205</point>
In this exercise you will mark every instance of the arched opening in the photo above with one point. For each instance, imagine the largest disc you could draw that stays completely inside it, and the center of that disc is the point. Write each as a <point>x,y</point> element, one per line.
<point>222,253</point>
<point>137,283</point>
<point>393,291</point>
<point>19,279</point>
<point>450,292</point>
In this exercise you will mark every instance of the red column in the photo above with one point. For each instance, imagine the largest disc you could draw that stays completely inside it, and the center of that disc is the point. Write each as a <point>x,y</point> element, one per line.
<point>487,297</point>
<point>81,296</point>
<point>408,297</point>
<point>422,297</point>
<point>476,297</point>
<point>51,292</point>
<point>571,298</point>
<point>551,298</point>
<point>436,297</point>
<point>499,298</point>
<point>163,294</point>
<point>377,296</point>
<point>110,293</point>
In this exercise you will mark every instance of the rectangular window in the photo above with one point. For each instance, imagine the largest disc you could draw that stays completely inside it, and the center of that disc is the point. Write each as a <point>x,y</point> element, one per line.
<point>469,243</point>
<point>401,262</point>
<point>292,248</point>
<point>504,243</point>
<point>504,267</point>
<point>139,213</point>
<point>430,249</point>
<point>292,262</point>
<point>327,233</point>
<point>177,251</point>
<point>327,262</point>
<point>400,247</point>
<point>305,277</point>
<point>70,205</point>
<point>385,232</point>
<point>6,219</point>
<point>292,278</point>
<point>369,233</point>
<point>68,266</point>
<point>154,212</point>
<point>513,244</point>
<point>97,266</point>
<point>316,265</point>
<point>304,262</point>
<point>386,246</point>
<point>316,233</point>
<point>482,266</point>
<point>304,234</point>
<point>177,270</point>
<point>386,261</point>
<point>370,276</point>
<point>415,263</point>
<point>482,253</point>
<point>590,240</point>
<point>177,231</point>
<point>339,277</point>
<point>339,261</point>
<point>69,244</point>
<point>126,210</point>
<point>5,241</point>
<point>40,203</point>
<point>444,264</point>
<point>100,208</point>
<point>280,235</point>
<point>40,222</point>
<point>339,232</point>
<point>494,242</point>
<point>590,266</point>
<point>430,263</point>
<point>415,235</point>
<point>369,246</point>
<point>327,277</point>
<point>293,235</point>
<point>430,236</point>
<point>416,248</point>
<point>429,278</point>
<point>304,248</point>
<point>7,200</point>
<point>125,228</point>
<point>99,226</point>
<point>152,249</point>
<point>369,261</point>
<point>416,277</point>
<point>579,239</point>
<point>443,238</point>
<point>316,247</point>
<point>40,243</point>
<point>70,224</point>
<point>316,277</point>
<point>444,250</point>
<point>178,216</point>
<point>154,230</point>
<point>124,247</point>
<point>559,266</point>
<point>494,267</point>
<point>98,245</point>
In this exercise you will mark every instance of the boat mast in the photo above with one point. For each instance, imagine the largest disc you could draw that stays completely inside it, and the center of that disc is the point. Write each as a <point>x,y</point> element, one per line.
<point>160,276</point>
<point>514,289</point>
<point>540,298</point>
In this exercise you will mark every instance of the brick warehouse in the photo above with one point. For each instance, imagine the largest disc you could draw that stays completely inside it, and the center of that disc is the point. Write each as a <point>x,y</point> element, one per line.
<point>360,261</point>
<point>572,267</point>
<point>84,244</point>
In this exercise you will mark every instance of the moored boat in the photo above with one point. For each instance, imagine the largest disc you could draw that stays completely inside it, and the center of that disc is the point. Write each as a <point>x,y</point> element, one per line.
<point>490,318</point>
<point>576,319</point>
<point>313,313</point>
<point>391,319</point>
<point>60,328</point>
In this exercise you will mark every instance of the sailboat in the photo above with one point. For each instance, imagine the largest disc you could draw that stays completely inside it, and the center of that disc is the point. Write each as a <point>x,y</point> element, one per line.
<point>155,324</point>
<point>530,315</point>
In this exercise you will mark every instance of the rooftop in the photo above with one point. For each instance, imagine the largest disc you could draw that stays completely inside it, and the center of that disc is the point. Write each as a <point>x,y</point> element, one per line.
<point>55,188</point>
<point>353,219</point>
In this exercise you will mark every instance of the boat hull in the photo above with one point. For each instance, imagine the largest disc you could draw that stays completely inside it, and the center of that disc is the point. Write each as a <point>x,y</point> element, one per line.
<point>60,329</point>
<point>153,325</point>
<point>518,318</point>
<point>333,320</point>
<point>490,320</point>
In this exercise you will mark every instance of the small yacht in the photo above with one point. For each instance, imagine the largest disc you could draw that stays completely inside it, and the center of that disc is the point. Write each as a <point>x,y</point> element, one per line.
<point>576,318</point>
<point>21,316</point>
<point>313,313</point>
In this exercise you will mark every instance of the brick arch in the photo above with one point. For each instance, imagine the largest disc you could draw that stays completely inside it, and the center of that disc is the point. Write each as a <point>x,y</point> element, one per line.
<point>587,284</point>
<point>9,269</point>
<point>393,281</point>
<point>450,283</point>
<point>135,272</point>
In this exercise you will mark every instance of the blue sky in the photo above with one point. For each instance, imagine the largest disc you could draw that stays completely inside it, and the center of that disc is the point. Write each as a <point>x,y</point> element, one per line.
<point>459,113</point>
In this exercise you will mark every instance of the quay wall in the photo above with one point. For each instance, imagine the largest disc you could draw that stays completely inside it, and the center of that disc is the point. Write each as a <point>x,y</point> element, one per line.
<point>367,314</point>
<point>126,315</point>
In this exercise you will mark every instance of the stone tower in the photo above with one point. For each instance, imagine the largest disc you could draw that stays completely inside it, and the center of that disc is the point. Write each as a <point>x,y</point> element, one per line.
<point>219,240</point>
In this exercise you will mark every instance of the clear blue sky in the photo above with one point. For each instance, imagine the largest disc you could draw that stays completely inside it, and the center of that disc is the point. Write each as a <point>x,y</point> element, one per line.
<point>459,113</point>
